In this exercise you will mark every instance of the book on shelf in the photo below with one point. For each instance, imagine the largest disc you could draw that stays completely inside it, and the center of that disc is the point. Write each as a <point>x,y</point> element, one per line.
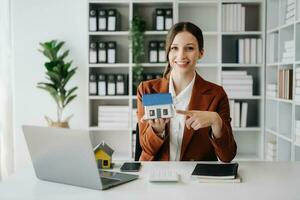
<point>233,17</point>
<point>285,81</point>
<point>273,47</point>
<point>244,114</point>
<point>237,114</point>
<point>217,171</point>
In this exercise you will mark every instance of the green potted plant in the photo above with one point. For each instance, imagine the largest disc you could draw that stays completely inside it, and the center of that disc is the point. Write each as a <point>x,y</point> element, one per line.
<point>138,26</point>
<point>58,74</point>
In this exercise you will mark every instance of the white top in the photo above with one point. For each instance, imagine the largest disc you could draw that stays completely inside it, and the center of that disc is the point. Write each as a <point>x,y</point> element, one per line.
<point>177,123</point>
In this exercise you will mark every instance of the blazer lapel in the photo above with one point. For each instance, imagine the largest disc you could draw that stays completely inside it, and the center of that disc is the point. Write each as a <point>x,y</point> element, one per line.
<point>199,101</point>
<point>162,86</point>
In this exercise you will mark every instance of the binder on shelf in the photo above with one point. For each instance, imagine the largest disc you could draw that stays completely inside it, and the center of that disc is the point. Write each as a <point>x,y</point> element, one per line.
<point>93,53</point>
<point>153,51</point>
<point>120,84</point>
<point>161,52</point>
<point>93,20</point>
<point>241,51</point>
<point>159,19</point>
<point>168,18</point>
<point>102,20</point>
<point>148,77</point>
<point>92,84</point>
<point>253,50</point>
<point>112,20</point>
<point>111,52</point>
<point>101,85</point>
<point>111,85</point>
<point>102,57</point>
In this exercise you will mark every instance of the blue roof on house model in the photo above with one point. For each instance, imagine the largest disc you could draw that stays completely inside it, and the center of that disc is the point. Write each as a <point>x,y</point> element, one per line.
<point>157,99</point>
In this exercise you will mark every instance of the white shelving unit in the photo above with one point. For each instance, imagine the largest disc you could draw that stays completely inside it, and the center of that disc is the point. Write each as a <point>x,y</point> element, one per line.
<point>220,54</point>
<point>280,114</point>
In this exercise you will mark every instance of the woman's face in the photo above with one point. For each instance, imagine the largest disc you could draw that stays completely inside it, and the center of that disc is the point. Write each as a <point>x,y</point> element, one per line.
<point>184,53</point>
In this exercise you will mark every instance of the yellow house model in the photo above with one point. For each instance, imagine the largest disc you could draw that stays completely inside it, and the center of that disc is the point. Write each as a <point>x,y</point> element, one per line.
<point>103,154</point>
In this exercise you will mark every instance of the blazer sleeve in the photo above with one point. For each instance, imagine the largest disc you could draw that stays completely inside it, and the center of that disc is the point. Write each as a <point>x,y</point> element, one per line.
<point>225,146</point>
<point>149,141</point>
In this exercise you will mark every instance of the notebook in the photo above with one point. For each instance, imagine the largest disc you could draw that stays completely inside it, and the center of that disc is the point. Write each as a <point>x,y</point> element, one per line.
<point>216,170</point>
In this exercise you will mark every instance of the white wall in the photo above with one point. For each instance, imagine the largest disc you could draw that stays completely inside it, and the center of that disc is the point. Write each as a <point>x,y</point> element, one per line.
<point>35,21</point>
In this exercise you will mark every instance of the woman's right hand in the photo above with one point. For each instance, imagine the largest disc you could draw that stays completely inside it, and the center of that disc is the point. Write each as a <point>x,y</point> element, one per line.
<point>158,125</point>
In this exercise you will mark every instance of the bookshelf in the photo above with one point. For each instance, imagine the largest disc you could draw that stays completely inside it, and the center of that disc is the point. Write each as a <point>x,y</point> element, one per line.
<point>220,55</point>
<point>282,108</point>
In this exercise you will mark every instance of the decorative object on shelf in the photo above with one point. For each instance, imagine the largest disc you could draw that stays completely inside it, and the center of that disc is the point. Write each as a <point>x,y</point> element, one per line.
<point>138,26</point>
<point>103,154</point>
<point>59,72</point>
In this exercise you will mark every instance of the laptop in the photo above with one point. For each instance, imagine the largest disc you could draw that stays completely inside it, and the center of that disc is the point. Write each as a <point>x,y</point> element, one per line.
<point>66,156</point>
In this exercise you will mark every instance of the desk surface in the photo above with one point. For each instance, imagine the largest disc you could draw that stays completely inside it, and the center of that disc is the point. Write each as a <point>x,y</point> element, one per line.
<point>260,180</point>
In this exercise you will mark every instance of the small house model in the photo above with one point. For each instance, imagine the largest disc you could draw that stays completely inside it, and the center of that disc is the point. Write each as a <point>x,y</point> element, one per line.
<point>158,105</point>
<point>103,154</point>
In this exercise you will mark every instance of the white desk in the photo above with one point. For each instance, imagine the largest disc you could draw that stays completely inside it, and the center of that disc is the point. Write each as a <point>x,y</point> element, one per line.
<point>260,180</point>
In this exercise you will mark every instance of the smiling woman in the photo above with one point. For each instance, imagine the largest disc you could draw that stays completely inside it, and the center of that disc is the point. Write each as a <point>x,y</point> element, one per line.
<point>200,130</point>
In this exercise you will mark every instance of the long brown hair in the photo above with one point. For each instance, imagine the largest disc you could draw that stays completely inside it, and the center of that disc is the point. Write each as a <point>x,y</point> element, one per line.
<point>177,28</point>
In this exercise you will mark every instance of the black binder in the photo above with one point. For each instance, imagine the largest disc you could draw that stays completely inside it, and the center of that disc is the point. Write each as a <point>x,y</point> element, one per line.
<point>216,170</point>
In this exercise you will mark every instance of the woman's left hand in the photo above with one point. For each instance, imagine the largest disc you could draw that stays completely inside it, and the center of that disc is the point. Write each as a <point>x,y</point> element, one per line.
<point>201,119</point>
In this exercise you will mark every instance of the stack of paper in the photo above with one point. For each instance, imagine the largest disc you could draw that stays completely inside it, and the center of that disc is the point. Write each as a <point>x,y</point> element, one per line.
<point>112,117</point>
<point>271,151</point>
<point>289,51</point>
<point>290,11</point>
<point>297,131</point>
<point>271,90</point>
<point>237,83</point>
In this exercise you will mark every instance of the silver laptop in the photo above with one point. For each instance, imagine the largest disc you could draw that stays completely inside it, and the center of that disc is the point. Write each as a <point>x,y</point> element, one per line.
<point>66,156</point>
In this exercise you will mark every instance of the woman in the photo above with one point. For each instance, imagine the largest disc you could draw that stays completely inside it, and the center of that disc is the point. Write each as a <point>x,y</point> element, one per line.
<point>200,129</point>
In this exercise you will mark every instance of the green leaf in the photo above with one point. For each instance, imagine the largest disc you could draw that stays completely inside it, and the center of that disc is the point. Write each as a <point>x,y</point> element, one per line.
<point>70,74</point>
<point>71,91</point>
<point>69,99</point>
<point>65,54</point>
<point>59,45</point>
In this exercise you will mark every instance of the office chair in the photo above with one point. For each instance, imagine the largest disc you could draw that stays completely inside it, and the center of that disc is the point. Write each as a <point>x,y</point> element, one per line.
<point>138,148</point>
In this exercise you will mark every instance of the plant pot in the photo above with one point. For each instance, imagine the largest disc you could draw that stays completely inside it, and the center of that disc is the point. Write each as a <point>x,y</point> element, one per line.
<point>59,124</point>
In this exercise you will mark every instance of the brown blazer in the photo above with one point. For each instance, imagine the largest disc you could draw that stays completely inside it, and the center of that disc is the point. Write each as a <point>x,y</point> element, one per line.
<point>196,145</point>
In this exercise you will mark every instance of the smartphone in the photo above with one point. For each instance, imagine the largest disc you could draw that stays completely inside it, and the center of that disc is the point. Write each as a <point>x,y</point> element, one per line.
<point>131,167</point>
